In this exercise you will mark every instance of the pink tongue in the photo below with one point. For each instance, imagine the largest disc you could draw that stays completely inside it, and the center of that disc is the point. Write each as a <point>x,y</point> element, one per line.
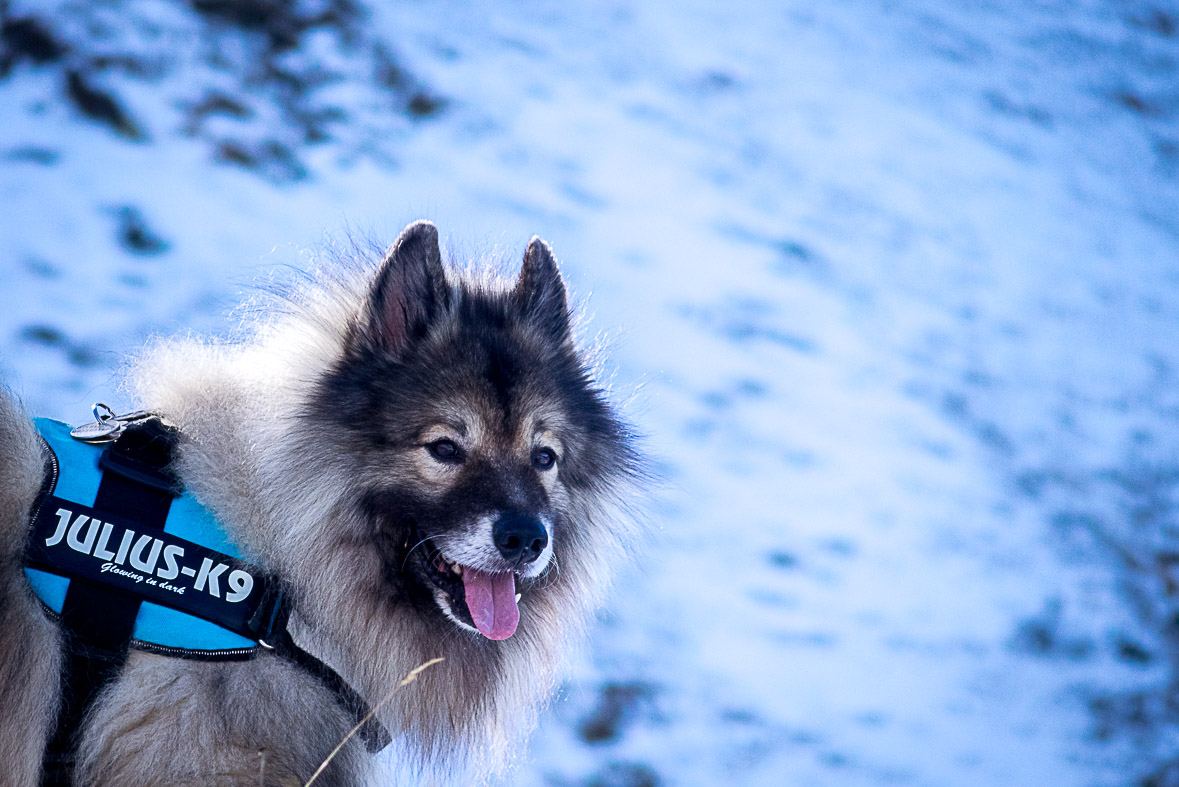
<point>491,598</point>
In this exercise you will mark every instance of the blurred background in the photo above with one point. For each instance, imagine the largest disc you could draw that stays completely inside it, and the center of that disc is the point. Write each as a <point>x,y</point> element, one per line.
<point>893,286</point>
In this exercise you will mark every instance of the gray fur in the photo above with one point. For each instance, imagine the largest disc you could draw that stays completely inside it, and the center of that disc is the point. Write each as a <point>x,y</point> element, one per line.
<point>29,642</point>
<point>172,722</point>
<point>280,442</point>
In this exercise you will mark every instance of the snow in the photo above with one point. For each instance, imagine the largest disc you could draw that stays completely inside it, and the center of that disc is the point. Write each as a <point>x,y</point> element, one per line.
<point>890,286</point>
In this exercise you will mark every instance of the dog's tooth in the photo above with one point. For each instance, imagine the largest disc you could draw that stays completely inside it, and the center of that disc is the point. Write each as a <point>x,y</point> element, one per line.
<point>456,568</point>
<point>518,595</point>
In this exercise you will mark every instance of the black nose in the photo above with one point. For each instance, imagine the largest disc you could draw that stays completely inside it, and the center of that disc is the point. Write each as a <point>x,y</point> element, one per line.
<point>519,538</point>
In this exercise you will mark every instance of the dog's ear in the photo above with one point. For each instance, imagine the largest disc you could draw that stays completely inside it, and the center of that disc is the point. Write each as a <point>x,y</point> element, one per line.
<point>409,291</point>
<point>540,291</point>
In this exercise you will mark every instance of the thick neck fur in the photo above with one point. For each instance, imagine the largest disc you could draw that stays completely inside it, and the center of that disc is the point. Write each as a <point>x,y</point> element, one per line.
<point>250,454</point>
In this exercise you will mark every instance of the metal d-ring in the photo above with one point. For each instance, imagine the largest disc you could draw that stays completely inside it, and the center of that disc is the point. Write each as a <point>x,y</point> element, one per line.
<point>105,428</point>
<point>99,417</point>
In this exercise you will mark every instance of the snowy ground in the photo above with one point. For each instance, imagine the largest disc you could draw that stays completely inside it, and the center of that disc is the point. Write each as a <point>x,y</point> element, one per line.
<point>897,285</point>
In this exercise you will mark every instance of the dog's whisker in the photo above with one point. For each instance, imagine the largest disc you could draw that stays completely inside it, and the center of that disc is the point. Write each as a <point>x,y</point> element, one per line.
<point>551,573</point>
<point>410,552</point>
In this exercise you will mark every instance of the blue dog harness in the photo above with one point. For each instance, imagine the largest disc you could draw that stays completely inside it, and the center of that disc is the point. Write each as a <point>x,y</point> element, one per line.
<point>125,559</point>
<point>73,539</point>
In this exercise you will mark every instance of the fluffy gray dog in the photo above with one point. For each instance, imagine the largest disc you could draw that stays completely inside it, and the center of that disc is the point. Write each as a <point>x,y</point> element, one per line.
<point>424,460</point>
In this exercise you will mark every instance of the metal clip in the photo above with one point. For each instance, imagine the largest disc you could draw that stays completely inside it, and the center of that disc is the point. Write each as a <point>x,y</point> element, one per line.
<point>107,425</point>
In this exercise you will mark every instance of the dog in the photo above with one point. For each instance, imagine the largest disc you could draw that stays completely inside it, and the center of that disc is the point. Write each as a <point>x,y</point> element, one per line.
<point>423,457</point>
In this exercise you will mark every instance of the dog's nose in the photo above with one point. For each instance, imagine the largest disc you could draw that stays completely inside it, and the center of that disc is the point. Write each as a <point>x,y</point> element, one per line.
<point>519,538</point>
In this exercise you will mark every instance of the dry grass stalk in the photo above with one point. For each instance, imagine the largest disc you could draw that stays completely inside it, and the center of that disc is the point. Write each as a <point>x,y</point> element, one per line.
<point>410,678</point>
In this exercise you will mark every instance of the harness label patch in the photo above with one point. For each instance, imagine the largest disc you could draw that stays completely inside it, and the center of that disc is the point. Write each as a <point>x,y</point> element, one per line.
<point>77,541</point>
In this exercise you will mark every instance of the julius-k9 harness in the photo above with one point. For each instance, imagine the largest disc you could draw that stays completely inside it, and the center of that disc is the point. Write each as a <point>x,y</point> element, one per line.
<point>125,559</point>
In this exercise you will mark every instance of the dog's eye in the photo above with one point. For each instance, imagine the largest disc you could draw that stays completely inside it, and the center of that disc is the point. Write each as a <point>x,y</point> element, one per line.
<point>445,450</point>
<point>543,458</point>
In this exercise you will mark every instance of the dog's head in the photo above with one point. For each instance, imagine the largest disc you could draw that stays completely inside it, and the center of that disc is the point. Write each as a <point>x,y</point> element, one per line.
<point>472,429</point>
<point>422,455</point>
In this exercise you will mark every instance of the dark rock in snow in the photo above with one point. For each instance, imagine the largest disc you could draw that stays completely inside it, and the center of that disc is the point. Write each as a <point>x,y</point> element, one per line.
<point>136,237</point>
<point>27,38</point>
<point>100,106</point>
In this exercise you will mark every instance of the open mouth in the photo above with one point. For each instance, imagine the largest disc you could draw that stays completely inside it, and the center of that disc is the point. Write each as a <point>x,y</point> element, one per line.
<point>483,601</point>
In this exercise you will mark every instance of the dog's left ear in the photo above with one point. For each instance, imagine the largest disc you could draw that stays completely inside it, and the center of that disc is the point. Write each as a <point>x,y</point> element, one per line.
<point>540,291</point>
<point>409,291</point>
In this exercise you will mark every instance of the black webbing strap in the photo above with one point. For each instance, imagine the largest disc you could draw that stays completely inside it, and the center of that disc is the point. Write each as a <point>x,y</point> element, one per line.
<point>96,621</point>
<point>99,547</point>
<point>371,731</point>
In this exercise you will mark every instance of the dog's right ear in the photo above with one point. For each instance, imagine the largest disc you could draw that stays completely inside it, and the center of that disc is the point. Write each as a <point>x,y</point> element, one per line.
<point>409,291</point>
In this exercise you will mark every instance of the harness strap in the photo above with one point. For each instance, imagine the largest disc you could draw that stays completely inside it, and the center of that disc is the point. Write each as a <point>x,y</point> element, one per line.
<point>97,621</point>
<point>371,731</point>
